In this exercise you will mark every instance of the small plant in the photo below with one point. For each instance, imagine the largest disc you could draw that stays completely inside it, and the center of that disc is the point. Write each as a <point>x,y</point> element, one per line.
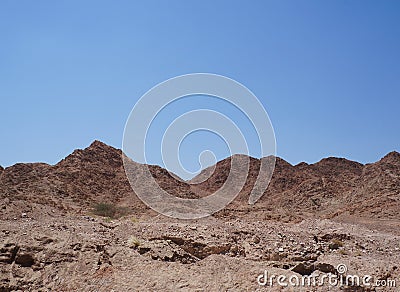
<point>336,244</point>
<point>109,210</point>
<point>134,220</point>
<point>133,242</point>
<point>343,252</point>
<point>105,210</point>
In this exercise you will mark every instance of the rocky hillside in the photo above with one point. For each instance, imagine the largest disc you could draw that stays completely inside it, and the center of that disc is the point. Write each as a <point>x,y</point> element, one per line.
<point>331,187</point>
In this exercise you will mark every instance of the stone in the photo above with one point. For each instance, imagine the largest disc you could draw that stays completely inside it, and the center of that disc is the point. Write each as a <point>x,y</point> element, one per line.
<point>25,259</point>
<point>304,269</point>
<point>256,239</point>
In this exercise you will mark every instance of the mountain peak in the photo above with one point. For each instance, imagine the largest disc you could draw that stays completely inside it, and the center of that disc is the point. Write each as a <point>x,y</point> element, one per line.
<point>338,162</point>
<point>96,144</point>
<point>102,151</point>
<point>302,164</point>
<point>337,166</point>
<point>391,157</point>
<point>97,152</point>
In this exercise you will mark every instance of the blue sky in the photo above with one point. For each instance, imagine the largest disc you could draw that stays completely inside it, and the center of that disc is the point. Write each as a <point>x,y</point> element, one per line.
<point>327,72</point>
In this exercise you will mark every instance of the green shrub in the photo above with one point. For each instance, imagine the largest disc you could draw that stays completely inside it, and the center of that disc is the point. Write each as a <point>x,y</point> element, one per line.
<point>109,210</point>
<point>105,210</point>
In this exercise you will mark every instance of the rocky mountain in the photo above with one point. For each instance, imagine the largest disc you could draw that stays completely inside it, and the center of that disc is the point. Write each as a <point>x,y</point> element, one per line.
<point>331,187</point>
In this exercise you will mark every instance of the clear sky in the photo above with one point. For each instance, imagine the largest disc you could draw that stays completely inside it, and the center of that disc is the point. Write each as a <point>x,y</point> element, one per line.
<point>327,72</point>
